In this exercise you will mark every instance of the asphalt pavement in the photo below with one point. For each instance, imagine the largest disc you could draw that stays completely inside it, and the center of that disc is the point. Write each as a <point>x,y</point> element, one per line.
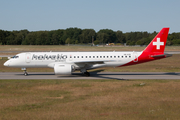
<point>94,75</point>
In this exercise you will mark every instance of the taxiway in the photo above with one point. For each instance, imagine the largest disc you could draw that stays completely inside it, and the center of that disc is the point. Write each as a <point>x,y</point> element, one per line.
<point>100,75</point>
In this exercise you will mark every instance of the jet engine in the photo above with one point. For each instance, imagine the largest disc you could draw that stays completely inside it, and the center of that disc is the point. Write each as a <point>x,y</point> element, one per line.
<point>63,69</point>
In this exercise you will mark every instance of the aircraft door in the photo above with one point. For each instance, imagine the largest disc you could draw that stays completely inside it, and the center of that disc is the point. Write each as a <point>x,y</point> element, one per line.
<point>28,57</point>
<point>135,58</point>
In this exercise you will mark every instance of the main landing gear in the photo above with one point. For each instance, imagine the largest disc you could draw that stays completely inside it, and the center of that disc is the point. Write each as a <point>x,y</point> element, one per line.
<point>87,74</point>
<point>84,72</point>
<point>25,73</point>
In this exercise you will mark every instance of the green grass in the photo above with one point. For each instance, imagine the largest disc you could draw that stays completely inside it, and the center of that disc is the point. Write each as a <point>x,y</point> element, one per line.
<point>89,99</point>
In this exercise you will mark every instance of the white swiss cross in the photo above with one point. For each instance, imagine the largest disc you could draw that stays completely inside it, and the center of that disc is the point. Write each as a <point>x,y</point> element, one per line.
<point>158,43</point>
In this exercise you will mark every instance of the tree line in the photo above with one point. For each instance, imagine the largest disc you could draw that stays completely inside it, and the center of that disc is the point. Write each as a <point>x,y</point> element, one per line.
<point>80,36</point>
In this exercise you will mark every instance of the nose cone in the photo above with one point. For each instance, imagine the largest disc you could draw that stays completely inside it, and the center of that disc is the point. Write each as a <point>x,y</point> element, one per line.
<point>6,63</point>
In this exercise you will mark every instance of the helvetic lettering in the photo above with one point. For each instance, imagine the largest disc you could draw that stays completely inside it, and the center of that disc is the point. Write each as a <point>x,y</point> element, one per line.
<point>49,57</point>
<point>40,57</point>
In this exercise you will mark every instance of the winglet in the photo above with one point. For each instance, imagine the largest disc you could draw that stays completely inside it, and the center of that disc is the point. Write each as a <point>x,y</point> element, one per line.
<point>158,44</point>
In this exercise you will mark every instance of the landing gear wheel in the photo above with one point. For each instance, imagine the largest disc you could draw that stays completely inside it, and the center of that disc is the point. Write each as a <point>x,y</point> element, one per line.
<point>25,73</point>
<point>87,74</point>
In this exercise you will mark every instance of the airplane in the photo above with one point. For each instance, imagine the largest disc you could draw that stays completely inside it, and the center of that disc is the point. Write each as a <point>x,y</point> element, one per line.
<point>64,63</point>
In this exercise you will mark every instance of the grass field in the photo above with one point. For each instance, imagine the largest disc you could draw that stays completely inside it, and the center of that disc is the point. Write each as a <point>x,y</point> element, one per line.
<point>89,99</point>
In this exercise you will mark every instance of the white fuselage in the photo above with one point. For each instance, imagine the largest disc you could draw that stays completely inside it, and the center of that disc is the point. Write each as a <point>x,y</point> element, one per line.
<point>79,60</point>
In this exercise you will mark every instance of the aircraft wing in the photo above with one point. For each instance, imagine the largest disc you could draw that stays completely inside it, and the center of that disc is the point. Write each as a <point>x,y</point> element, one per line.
<point>92,62</point>
<point>96,62</point>
<point>82,62</point>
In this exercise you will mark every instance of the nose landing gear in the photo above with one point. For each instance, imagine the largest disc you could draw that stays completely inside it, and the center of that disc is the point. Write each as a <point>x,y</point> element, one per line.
<point>25,73</point>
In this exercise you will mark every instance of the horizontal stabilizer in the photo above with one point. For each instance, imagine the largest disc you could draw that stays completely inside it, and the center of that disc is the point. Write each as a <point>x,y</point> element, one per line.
<point>162,55</point>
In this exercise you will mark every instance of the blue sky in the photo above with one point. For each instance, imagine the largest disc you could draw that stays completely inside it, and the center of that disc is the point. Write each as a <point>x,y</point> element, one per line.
<point>124,15</point>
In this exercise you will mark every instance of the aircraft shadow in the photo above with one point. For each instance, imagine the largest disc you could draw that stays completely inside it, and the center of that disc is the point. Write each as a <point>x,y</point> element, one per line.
<point>119,76</point>
<point>138,73</point>
<point>102,75</point>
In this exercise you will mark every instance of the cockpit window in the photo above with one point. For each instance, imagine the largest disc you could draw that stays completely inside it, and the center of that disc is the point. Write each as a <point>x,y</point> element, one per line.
<point>14,57</point>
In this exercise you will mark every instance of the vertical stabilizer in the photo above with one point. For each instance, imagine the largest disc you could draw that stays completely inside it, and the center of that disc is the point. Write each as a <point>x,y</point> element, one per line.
<point>158,44</point>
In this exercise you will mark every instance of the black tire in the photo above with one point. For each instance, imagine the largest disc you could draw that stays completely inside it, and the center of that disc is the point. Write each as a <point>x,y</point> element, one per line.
<point>87,74</point>
<point>26,74</point>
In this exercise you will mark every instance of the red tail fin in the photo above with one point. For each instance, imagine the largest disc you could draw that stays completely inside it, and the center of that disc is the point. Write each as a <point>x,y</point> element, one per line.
<point>158,44</point>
